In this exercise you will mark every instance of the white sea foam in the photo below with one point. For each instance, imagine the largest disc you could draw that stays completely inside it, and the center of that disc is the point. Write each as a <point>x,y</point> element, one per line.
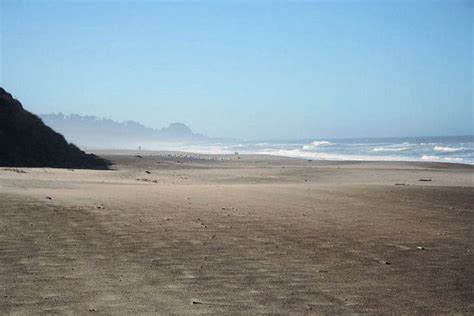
<point>211,149</point>
<point>316,144</point>
<point>447,149</point>
<point>298,153</point>
<point>390,149</point>
<point>207,150</point>
<point>325,150</point>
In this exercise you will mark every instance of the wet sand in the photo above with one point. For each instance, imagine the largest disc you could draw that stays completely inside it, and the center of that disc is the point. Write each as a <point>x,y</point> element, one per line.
<point>173,234</point>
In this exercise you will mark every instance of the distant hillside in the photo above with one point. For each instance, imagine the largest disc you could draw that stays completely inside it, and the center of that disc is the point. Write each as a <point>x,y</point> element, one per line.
<point>94,132</point>
<point>25,141</point>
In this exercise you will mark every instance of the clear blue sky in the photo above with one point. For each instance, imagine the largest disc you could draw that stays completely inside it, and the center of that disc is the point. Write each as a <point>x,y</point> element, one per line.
<point>254,70</point>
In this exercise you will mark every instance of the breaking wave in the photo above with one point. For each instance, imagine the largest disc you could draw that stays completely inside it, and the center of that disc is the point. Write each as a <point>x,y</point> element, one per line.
<point>447,149</point>
<point>456,149</point>
<point>389,149</point>
<point>297,153</point>
<point>316,144</point>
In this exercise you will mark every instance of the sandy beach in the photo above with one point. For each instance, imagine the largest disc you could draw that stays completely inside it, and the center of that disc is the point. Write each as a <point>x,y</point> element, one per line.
<point>173,233</point>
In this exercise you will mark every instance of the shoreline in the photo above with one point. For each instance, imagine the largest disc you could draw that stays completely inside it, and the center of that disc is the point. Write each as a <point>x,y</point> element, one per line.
<point>197,155</point>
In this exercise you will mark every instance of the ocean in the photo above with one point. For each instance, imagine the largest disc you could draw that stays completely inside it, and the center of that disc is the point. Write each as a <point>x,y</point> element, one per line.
<point>453,149</point>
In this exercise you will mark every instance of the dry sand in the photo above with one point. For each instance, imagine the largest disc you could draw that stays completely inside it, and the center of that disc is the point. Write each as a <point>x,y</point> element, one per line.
<point>175,235</point>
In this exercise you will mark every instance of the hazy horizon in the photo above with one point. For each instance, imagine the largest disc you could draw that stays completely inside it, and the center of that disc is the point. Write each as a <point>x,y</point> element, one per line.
<point>167,125</point>
<point>93,133</point>
<point>254,70</point>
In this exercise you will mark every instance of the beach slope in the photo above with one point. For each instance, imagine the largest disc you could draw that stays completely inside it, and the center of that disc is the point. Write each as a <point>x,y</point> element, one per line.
<point>174,233</point>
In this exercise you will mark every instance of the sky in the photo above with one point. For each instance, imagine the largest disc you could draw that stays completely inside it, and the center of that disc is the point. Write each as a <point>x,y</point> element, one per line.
<point>248,70</point>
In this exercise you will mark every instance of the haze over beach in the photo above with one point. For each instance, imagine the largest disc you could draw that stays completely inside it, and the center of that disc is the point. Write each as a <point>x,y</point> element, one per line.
<point>236,157</point>
<point>96,133</point>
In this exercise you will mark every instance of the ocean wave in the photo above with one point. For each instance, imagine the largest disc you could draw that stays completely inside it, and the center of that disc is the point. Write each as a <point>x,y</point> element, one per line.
<point>340,151</point>
<point>390,149</point>
<point>316,144</point>
<point>447,149</point>
<point>298,153</point>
